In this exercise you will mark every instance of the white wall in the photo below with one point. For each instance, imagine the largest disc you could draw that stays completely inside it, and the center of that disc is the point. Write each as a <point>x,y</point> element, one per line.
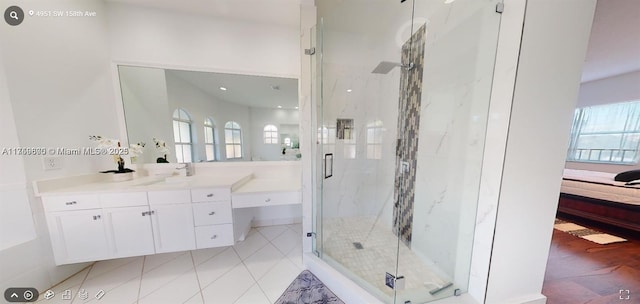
<point>199,105</point>
<point>555,39</point>
<point>614,89</point>
<point>281,118</point>
<point>60,88</point>
<point>146,104</point>
<point>16,222</point>
<point>175,39</point>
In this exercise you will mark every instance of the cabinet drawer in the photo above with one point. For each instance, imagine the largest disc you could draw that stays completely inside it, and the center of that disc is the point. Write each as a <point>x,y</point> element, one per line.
<point>245,200</point>
<point>70,202</point>
<point>212,213</point>
<point>210,195</point>
<point>214,236</point>
<point>129,199</point>
<point>169,197</point>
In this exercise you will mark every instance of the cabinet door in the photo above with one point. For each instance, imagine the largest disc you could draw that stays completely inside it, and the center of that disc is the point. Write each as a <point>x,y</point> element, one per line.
<point>80,236</point>
<point>129,231</point>
<point>173,228</point>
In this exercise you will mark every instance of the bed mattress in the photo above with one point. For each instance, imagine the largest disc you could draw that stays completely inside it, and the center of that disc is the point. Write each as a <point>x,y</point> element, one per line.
<point>599,185</point>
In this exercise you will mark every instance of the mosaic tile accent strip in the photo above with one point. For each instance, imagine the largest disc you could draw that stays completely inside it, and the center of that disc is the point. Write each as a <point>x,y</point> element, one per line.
<point>307,289</point>
<point>409,121</point>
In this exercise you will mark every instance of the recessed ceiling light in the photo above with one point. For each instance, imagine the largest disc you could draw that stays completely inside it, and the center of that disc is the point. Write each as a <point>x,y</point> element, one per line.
<point>279,107</point>
<point>349,90</point>
<point>296,108</point>
<point>448,1</point>
<point>223,88</point>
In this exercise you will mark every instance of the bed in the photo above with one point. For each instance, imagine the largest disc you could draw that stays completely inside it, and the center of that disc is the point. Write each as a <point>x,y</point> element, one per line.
<point>596,196</point>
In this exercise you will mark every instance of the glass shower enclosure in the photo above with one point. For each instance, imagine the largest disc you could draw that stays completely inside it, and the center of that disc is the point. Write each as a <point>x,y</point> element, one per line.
<point>401,92</point>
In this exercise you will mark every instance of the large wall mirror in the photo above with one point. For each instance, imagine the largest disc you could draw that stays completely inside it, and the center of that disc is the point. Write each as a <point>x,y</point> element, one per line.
<point>203,116</point>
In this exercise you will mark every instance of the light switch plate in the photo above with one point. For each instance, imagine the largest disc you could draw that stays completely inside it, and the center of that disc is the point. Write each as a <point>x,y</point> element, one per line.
<point>52,163</point>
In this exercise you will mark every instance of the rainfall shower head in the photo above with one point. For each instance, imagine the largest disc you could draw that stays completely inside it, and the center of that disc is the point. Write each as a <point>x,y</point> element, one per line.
<point>384,67</point>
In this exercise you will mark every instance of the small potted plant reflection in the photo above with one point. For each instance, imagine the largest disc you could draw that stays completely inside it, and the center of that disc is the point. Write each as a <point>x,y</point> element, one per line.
<point>109,146</point>
<point>161,147</point>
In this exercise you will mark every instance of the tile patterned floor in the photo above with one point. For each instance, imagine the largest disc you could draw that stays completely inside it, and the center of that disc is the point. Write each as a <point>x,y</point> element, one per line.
<point>254,271</point>
<point>378,256</point>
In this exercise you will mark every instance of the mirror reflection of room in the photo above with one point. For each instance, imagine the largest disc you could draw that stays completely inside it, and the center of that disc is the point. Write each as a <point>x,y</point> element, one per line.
<point>205,116</point>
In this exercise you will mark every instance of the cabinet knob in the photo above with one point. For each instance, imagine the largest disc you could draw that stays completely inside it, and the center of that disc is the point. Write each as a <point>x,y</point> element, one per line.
<point>151,212</point>
<point>70,203</point>
<point>267,200</point>
<point>210,195</point>
<point>215,236</point>
<point>96,217</point>
<point>212,213</point>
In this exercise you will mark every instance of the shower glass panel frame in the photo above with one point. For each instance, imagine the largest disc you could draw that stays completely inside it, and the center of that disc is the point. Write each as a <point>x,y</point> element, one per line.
<point>400,95</point>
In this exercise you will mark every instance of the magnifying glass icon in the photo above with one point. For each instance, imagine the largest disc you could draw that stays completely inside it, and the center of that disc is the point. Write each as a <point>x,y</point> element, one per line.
<point>13,15</point>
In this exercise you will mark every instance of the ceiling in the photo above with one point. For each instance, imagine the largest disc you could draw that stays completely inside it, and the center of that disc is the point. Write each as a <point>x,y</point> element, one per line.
<point>274,12</point>
<point>614,45</point>
<point>252,91</point>
<point>613,49</point>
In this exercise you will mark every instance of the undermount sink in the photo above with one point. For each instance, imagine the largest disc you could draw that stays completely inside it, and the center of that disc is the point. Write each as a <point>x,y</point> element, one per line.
<point>171,180</point>
<point>178,179</point>
<point>148,182</point>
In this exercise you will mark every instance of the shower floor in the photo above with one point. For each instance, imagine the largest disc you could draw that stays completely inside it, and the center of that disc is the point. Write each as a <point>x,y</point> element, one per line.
<point>378,256</point>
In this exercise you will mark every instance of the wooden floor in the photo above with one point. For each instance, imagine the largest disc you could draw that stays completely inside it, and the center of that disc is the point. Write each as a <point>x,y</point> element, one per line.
<point>579,271</point>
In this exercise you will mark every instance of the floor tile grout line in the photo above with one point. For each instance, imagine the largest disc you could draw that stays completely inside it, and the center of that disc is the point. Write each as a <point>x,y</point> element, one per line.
<point>275,237</point>
<point>163,285</point>
<point>252,254</point>
<point>105,273</point>
<point>223,274</point>
<point>167,261</point>
<point>144,262</point>
<point>195,295</point>
<point>195,269</point>
<point>256,283</point>
<point>73,298</point>
<point>112,269</point>
<point>285,253</point>
<point>209,258</point>
<point>93,300</point>
<point>88,267</point>
<point>169,282</point>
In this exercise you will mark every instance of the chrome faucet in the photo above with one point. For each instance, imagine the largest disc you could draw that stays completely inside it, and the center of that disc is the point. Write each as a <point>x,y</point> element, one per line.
<point>188,167</point>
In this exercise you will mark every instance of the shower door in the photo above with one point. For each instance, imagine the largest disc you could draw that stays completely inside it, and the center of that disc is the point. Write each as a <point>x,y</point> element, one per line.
<point>401,103</point>
<point>363,76</point>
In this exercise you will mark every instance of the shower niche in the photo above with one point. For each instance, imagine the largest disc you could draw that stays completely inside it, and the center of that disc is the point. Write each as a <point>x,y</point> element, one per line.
<point>401,106</point>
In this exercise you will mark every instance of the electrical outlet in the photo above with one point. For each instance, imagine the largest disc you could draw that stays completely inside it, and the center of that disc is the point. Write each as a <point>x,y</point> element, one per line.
<point>51,162</point>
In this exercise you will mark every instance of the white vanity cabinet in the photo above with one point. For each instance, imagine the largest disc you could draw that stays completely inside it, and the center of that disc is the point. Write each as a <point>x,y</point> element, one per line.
<point>172,220</point>
<point>129,230</point>
<point>89,227</point>
<point>213,217</point>
<point>78,236</point>
<point>102,220</point>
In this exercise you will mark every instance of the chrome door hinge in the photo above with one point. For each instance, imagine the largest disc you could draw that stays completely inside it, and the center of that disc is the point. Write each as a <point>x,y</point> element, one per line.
<point>310,51</point>
<point>500,7</point>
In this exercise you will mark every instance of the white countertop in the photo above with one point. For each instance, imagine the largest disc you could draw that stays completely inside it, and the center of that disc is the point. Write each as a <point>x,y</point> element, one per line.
<point>150,183</point>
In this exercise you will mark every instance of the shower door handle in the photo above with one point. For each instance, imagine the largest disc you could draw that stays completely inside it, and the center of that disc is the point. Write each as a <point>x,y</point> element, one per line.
<point>328,165</point>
